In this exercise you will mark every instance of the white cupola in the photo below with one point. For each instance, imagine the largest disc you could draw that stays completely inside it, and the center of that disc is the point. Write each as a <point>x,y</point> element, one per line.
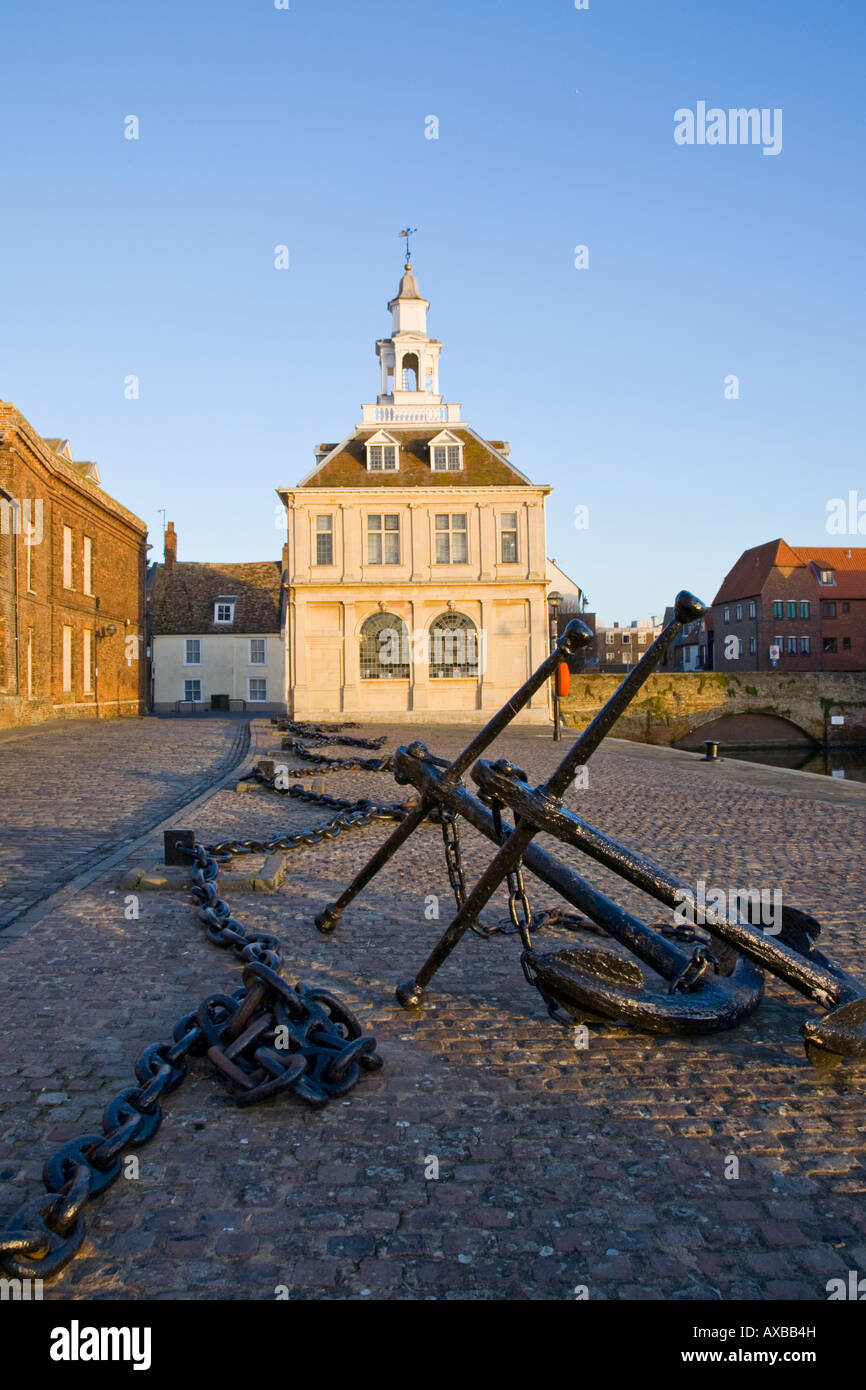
<point>409,358</point>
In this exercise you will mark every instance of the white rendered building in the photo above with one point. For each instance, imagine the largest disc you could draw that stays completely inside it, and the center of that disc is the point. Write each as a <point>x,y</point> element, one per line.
<point>415,557</point>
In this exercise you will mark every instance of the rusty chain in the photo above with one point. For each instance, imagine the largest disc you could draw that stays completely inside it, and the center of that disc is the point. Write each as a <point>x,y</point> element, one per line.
<point>266,1038</point>
<point>324,764</point>
<point>327,733</point>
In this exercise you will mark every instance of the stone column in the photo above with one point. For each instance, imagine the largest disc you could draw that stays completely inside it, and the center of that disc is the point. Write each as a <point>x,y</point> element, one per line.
<point>418,518</point>
<point>536,568</point>
<point>486,542</point>
<point>419,670</point>
<point>488,693</point>
<point>351,540</point>
<point>302,519</point>
<point>351,692</point>
<point>298,636</point>
<point>539,643</point>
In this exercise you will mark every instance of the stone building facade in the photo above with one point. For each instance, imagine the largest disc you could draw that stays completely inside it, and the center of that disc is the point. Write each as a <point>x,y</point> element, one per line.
<point>72,569</point>
<point>217,635</point>
<point>415,556</point>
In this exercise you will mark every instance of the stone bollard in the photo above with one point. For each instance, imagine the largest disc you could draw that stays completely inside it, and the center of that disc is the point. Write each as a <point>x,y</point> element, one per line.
<point>172,840</point>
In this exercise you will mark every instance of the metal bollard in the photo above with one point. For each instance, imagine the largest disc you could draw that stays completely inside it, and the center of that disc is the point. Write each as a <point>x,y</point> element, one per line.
<point>172,840</point>
<point>712,753</point>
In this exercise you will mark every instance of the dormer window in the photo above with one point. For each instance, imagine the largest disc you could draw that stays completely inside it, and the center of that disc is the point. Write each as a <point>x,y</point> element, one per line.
<point>383,453</point>
<point>827,576</point>
<point>224,609</point>
<point>446,458</point>
<point>446,453</point>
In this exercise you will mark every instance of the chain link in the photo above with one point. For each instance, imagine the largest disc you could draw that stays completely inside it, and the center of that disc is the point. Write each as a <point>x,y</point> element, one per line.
<point>453,855</point>
<point>518,905</point>
<point>266,1038</point>
<point>326,733</point>
<point>362,805</point>
<point>324,764</point>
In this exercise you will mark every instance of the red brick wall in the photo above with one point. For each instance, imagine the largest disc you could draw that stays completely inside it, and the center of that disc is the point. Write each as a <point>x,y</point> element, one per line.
<point>851,625</point>
<point>794,585</point>
<point>27,471</point>
<point>798,586</point>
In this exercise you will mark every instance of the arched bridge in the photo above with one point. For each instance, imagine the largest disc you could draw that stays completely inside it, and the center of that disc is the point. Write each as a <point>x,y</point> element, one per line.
<point>757,708</point>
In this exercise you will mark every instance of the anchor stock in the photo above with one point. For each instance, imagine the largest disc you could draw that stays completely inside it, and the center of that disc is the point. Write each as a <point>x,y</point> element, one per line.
<point>719,1003</point>
<point>713,988</point>
<point>686,609</point>
<point>814,977</point>
<point>575,636</point>
<point>842,1031</point>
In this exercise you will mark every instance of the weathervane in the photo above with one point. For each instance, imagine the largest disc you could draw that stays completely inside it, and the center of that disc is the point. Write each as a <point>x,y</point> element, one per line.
<point>407,232</point>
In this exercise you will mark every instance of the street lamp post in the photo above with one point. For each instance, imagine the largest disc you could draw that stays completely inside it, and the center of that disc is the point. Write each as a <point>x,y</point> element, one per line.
<point>553,602</point>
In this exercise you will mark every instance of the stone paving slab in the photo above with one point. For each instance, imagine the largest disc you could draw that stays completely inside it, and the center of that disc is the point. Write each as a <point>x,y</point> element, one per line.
<point>609,1168</point>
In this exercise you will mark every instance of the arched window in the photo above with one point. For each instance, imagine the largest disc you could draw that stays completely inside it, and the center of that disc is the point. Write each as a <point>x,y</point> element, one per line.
<point>384,648</point>
<point>453,647</point>
<point>410,372</point>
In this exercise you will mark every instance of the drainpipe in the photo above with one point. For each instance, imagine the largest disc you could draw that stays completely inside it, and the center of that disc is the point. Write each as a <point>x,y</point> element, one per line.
<point>13,542</point>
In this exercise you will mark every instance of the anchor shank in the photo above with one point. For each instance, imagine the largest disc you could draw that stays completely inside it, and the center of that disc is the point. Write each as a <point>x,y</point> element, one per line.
<point>663,956</point>
<point>575,636</point>
<point>327,920</point>
<point>810,977</point>
<point>686,608</point>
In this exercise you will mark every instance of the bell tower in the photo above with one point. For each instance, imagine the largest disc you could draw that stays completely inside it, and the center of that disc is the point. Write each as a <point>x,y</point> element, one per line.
<point>409,359</point>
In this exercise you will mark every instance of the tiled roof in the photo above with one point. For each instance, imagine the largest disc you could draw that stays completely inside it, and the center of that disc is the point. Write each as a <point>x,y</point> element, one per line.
<point>482,466</point>
<point>749,574</point>
<point>183,597</point>
<point>848,563</point>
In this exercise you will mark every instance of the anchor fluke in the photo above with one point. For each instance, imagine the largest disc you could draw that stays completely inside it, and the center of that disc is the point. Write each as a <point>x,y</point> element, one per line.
<point>839,1033</point>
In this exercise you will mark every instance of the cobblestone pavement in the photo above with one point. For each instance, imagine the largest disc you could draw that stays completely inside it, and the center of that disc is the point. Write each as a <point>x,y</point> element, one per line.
<point>558,1168</point>
<point>72,791</point>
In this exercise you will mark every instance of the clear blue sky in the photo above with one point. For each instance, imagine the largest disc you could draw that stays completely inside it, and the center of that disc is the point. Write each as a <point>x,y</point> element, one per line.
<point>306,127</point>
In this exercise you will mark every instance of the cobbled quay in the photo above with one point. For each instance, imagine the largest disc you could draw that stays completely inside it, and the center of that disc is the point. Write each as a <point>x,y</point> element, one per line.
<point>558,1168</point>
<point>72,792</point>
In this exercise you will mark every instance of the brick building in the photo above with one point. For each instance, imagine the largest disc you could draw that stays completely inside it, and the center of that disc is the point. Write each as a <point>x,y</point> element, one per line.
<point>809,601</point>
<point>72,565</point>
<point>217,635</point>
<point>621,645</point>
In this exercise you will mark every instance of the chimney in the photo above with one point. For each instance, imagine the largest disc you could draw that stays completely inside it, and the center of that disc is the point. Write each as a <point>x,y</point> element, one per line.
<point>170,546</point>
